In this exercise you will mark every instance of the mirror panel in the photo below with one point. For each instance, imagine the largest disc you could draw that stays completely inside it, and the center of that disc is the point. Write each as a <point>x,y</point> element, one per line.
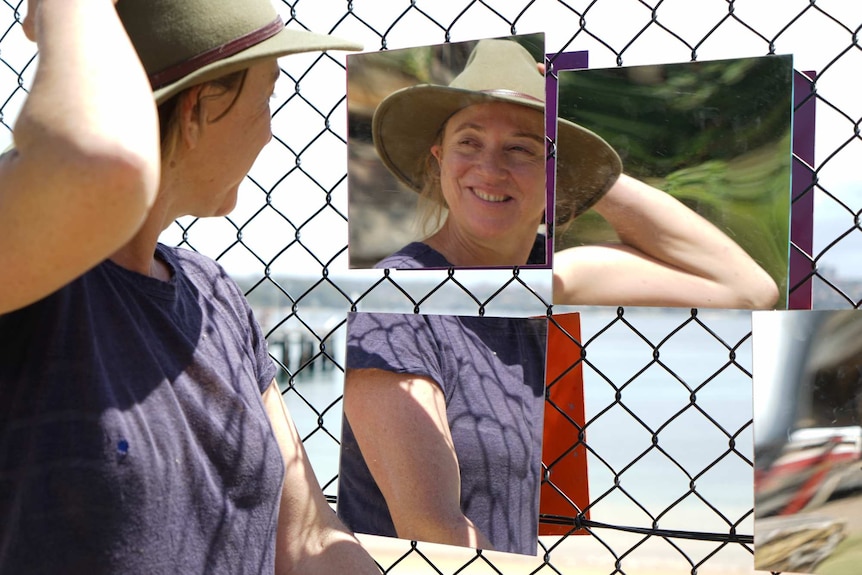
<point>397,103</point>
<point>707,147</point>
<point>808,440</point>
<point>442,429</point>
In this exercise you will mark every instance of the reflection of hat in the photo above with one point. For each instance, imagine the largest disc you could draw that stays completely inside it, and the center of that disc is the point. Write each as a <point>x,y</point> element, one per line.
<point>407,122</point>
<point>187,42</point>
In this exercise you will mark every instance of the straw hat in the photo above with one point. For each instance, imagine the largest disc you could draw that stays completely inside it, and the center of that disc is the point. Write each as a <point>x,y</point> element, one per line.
<point>187,42</point>
<point>407,122</point>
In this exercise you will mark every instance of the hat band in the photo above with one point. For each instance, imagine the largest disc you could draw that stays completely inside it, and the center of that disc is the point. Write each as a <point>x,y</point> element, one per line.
<point>177,71</point>
<point>511,93</point>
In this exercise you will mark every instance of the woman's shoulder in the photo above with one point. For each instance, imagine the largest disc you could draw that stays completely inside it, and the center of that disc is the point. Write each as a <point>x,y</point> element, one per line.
<point>201,271</point>
<point>192,264</point>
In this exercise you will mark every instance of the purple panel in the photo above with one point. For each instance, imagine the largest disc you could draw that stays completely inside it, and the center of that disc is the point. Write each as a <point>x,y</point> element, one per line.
<point>802,198</point>
<point>553,64</point>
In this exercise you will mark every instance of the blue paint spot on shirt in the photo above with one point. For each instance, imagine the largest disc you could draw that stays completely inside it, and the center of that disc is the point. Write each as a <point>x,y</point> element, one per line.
<point>122,448</point>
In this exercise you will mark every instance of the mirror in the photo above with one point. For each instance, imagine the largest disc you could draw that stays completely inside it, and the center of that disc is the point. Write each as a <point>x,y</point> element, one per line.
<point>442,430</point>
<point>399,200</point>
<point>807,374</point>
<point>700,217</point>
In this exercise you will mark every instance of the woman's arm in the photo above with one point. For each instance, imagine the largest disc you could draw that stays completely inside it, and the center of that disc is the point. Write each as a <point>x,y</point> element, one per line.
<point>310,539</point>
<point>669,256</point>
<point>85,169</point>
<point>400,425</point>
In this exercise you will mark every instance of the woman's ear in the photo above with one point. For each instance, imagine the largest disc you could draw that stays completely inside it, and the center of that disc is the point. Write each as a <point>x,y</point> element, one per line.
<point>200,106</point>
<point>436,151</point>
<point>189,117</point>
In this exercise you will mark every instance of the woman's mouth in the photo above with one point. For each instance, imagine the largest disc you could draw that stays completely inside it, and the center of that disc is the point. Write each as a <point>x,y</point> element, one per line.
<point>490,197</point>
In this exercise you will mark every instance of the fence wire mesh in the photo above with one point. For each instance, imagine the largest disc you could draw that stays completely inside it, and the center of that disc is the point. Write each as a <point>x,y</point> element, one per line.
<point>662,475</point>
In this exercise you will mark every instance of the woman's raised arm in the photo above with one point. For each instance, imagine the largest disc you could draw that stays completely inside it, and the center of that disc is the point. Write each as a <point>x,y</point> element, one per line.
<point>86,165</point>
<point>668,256</point>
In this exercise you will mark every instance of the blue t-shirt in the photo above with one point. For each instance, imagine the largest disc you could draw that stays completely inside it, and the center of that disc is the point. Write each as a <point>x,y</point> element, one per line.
<point>491,371</point>
<point>133,437</point>
<point>418,255</point>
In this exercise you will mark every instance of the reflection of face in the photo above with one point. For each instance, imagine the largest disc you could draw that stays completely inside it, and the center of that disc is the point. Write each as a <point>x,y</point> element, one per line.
<point>492,170</point>
<point>234,141</point>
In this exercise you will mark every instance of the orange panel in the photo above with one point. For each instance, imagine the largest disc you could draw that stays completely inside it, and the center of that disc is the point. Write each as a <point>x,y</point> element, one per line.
<point>564,418</point>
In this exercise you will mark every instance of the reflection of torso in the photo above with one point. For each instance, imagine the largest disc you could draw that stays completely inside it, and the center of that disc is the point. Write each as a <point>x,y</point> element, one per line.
<point>491,371</point>
<point>494,408</point>
<point>132,430</point>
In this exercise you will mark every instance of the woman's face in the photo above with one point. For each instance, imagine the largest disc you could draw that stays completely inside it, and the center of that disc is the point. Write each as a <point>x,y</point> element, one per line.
<point>492,170</point>
<point>232,135</point>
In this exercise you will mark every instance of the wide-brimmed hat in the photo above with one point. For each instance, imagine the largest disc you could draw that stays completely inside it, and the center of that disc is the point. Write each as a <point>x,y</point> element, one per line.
<point>406,124</point>
<point>187,42</point>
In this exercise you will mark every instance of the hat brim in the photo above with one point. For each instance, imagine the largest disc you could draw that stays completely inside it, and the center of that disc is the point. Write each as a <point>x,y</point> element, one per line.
<point>285,42</point>
<point>587,167</point>
<point>407,123</point>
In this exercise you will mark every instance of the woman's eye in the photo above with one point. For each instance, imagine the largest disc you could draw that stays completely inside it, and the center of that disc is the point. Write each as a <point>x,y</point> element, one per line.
<point>468,144</point>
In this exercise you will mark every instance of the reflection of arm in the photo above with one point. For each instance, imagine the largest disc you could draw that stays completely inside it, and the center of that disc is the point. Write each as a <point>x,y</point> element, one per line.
<point>669,255</point>
<point>86,167</point>
<point>310,538</point>
<point>399,421</point>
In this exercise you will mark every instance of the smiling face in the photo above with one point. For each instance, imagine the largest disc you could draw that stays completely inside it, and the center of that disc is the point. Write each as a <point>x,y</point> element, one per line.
<point>492,174</point>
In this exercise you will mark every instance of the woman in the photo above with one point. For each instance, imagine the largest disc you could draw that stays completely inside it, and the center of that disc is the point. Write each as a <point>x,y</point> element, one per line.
<point>442,433</point>
<point>141,429</point>
<point>475,151</point>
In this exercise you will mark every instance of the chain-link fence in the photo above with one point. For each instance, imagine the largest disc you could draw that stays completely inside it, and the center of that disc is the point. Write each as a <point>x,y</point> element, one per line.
<point>668,425</point>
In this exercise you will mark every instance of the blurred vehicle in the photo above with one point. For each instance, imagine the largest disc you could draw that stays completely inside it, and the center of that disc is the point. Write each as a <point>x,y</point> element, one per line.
<point>808,408</point>
<point>815,463</point>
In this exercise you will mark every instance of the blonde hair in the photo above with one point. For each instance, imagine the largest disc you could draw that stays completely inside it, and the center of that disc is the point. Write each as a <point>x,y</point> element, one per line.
<point>431,208</point>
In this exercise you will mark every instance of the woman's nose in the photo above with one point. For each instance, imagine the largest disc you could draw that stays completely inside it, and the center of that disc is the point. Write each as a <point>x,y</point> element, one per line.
<point>491,163</point>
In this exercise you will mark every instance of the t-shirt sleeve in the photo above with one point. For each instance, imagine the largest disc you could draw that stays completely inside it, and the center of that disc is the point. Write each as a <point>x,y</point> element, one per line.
<point>400,343</point>
<point>266,368</point>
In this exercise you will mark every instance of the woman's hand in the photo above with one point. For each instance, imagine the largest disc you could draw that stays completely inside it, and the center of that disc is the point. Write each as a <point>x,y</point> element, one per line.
<point>29,22</point>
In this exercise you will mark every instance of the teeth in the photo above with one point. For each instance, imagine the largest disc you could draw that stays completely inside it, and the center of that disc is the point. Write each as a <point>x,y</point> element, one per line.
<point>490,198</point>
